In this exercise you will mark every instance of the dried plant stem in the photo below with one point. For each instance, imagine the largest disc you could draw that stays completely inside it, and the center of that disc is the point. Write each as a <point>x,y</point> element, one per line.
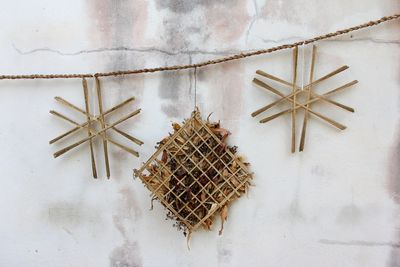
<point>315,98</point>
<point>69,104</point>
<point>330,121</point>
<point>305,120</point>
<point>327,76</point>
<point>85,92</point>
<point>274,78</point>
<point>95,118</point>
<point>128,136</point>
<point>66,149</point>
<point>127,149</point>
<point>104,134</point>
<point>308,102</point>
<point>293,100</point>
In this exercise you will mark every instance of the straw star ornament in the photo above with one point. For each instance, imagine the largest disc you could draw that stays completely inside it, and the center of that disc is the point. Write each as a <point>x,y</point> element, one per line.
<point>90,127</point>
<point>294,99</point>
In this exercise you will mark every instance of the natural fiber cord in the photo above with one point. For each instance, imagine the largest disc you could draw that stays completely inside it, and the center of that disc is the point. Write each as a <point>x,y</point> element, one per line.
<point>205,63</point>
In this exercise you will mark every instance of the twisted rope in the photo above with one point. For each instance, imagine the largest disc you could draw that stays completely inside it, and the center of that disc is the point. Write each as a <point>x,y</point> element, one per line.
<point>205,63</point>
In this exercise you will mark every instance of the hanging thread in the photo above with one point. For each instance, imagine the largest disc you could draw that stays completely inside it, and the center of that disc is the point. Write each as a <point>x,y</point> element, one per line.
<point>195,88</point>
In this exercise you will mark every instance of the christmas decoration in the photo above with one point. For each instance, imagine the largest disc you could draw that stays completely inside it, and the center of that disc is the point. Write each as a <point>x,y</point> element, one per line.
<point>89,126</point>
<point>293,98</point>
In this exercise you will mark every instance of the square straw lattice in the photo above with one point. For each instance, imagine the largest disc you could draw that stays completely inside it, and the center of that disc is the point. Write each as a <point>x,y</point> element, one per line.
<point>194,174</point>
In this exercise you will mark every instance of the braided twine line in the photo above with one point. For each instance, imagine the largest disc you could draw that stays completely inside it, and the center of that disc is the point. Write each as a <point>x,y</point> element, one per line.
<point>205,63</point>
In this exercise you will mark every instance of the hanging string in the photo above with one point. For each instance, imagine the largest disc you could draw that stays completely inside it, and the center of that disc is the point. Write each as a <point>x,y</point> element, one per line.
<point>195,88</point>
<point>205,63</point>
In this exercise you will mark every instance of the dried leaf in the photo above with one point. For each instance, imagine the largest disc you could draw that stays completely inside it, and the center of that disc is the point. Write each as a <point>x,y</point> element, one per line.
<point>223,133</point>
<point>189,236</point>
<point>164,157</point>
<point>203,196</point>
<point>213,208</point>
<point>224,216</point>
<point>208,223</point>
<point>234,181</point>
<point>176,126</point>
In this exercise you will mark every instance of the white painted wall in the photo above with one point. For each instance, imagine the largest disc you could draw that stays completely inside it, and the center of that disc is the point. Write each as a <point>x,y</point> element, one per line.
<point>336,204</point>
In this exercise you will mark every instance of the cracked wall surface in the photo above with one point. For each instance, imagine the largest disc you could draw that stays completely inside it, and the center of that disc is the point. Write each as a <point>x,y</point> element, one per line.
<point>335,204</point>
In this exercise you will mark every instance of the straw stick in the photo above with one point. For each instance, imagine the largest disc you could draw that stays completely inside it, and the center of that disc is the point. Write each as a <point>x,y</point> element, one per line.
<point>104,134</point>
<point>330,121</point>
<point>85,92</point>
<point>94,118</point>
<point>93,132</point>
<point>272,77</point>
<point>66,149</point>
<point>327,76</point>
<point>305,120</point>
<point>295,58</point>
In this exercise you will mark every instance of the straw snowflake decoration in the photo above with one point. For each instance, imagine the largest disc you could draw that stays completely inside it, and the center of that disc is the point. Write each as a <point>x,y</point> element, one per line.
<point>293,98</point>
<point>92,132</point>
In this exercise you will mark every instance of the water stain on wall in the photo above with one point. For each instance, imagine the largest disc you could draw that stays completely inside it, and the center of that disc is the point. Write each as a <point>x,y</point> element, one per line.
<point>394,190</point>
<point>224,250</point>
<point>173,86</point>
<point>174,95</point>
<point>125,256</point>
<point>318,170</point>
<point>228,26</point>
<point>120,24</point>
<point>221,25</point>
<point>182,6</point>
<point>349,214</point>
<point>182,32</point>
<point>395,254</point>
<point>283,10</point>
<point>394,170</point>
<point>125,219</point>
<point>225,98</point>
<point>71,214</point>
